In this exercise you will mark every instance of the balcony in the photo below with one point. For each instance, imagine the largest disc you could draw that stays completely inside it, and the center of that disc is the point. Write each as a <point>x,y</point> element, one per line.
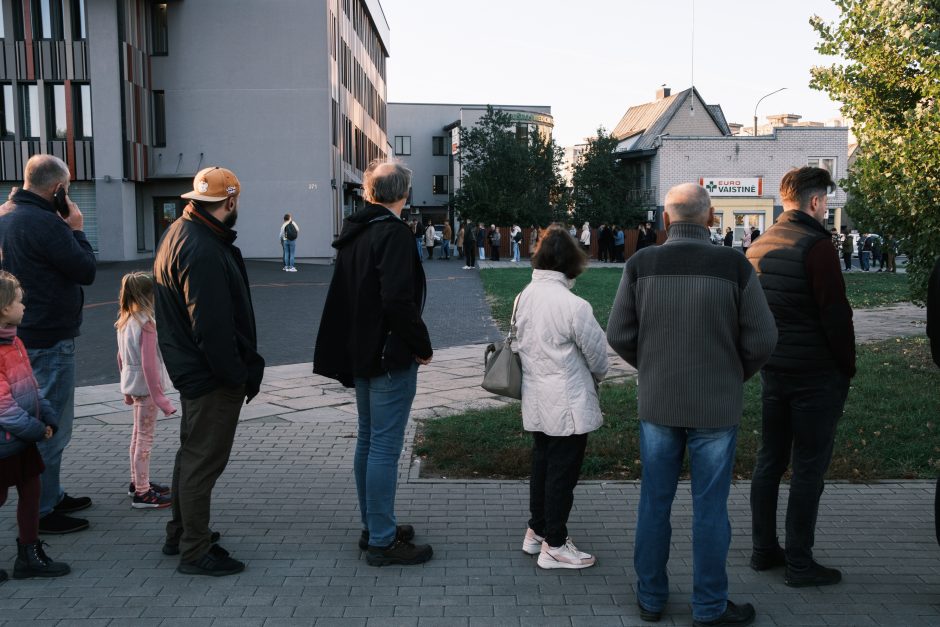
<point>643,197</point>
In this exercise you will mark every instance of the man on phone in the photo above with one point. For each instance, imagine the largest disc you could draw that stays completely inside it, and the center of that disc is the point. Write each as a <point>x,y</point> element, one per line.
<point>43,245</point>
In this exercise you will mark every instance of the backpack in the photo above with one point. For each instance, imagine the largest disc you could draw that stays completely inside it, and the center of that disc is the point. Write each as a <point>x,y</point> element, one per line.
<point>290,231</point>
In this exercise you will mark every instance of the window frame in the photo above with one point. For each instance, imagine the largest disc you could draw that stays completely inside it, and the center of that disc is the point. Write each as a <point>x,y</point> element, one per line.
<point>445,184</point>
<point>439,146</point>
<point>158,114</point>
<point>7,112</point>
<point>79,113</point>
<point>159,37</point>
<point>400,145</point>
<point>29,111</point>
<point>817,162</point>
<point>54,11</point>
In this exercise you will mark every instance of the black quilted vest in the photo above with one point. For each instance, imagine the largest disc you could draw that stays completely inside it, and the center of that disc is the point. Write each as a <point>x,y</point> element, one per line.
<point>779,258</point>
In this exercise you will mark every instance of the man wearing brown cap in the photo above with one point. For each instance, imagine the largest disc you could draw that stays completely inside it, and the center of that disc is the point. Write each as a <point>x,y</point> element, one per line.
<point>202,303</point>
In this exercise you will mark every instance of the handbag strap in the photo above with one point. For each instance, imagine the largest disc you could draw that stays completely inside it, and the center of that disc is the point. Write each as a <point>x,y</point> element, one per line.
<point>512,319</point>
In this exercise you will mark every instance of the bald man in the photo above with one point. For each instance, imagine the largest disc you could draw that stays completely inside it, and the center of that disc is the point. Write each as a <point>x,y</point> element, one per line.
<point>693,320</point>
<point>44,246</point>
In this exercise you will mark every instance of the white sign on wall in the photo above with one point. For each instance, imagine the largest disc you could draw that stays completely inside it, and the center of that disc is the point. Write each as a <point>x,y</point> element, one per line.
<point>731,186</point>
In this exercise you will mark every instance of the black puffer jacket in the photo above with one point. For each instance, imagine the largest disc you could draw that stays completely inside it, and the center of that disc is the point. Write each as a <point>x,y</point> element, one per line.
<point>371,321</point>
<point>205,319</point>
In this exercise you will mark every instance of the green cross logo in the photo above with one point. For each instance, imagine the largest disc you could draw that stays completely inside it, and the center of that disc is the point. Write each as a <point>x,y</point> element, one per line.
<point>711,187</point>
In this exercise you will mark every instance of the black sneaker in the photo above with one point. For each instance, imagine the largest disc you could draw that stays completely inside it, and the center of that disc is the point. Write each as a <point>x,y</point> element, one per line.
<point>70,504</point>
<point>649,615</point>
<point>399,554</point>
<point>215,563</point>
<point>767,559</point>
<point>151,500</point>
<point>403,533</point>
<point>156,487</point>
<point>173,548</point>
<point>55,524</point>
<point>815,575</point>
<point>734,615</point>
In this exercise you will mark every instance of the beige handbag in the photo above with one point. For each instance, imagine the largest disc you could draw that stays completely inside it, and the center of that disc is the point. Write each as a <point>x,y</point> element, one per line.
<point>502,368</point>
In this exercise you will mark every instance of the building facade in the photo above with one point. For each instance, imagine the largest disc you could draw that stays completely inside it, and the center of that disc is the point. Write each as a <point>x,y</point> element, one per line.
<point>291,97</point>
<point>426,137</point>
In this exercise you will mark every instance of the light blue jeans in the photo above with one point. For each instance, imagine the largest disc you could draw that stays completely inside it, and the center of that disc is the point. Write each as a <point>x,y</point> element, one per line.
<point>290,245</point>
<point>515,250</point>
<point>384,403</point>
<point>54,368</point>
<point>482,254</point>
<point>711,458</point>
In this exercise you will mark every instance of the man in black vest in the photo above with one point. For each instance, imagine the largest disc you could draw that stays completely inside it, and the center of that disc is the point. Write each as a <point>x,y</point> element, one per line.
<point>806,380</point>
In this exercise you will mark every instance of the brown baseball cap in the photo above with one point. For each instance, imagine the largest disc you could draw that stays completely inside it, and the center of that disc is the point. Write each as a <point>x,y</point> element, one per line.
<point>214,184</point>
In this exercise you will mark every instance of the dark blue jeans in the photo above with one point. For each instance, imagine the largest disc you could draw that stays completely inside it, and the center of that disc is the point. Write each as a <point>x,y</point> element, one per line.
<point>800,415</point>
<point>54,368</point>
<point>711,458</point>
<point>383,403</point>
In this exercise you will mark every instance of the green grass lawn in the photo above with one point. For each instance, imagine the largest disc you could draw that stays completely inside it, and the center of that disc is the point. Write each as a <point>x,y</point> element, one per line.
<point>888,431</point>
<point>598,286</point>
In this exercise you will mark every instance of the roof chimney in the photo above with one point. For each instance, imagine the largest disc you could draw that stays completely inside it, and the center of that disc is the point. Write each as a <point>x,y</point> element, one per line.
<point>663,92</point>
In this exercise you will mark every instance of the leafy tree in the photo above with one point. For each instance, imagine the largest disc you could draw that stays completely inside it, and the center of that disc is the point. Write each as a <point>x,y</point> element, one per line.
<point>889,84</point>
<point>601,185</point>
<point>507,179</point>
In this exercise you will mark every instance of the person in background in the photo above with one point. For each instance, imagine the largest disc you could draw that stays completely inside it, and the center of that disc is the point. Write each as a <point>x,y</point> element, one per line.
<point>515,239</point>
<point>289,232</point>
<point>564,356</point>
<point>481,239</point>
<point>495,241</point>
<point>876,252</point>
<point>459,240</point>
<point>848,247</point>
<point>470,246</point>
<point>446,237</point>
<point>586,238</point>
<point>729,237</point>
<point>890,253</point>
<point>618,243</point>
<point>533,239</point>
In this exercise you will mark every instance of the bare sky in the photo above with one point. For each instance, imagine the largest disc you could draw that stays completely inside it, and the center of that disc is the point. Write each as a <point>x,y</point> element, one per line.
<point>590,60</point>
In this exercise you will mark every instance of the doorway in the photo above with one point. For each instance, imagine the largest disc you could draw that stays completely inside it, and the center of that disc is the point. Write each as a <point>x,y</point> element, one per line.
<point>166,209</point>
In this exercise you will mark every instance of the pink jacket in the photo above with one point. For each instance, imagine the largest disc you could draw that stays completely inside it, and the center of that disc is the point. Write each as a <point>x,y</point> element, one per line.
<point>140,363</point>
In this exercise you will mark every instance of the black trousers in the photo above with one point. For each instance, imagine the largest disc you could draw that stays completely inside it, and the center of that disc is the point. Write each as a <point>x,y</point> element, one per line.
<point>556,466</point>
<point>494,252</point>
<point>207,432</point>
<point>847,259</point>
<point>800,415</point>
<point>471,252</point>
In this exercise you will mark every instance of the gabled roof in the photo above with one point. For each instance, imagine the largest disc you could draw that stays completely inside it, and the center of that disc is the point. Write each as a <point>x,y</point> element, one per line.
<point>650,119</point>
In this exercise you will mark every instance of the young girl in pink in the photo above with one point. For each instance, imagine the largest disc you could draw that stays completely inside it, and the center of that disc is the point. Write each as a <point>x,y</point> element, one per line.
<point>142,383</point>
<point>25,418</point>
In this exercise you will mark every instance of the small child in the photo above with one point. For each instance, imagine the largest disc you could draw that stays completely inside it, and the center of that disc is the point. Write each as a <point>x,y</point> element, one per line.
<point>25,418</point>
<point>142,384</point>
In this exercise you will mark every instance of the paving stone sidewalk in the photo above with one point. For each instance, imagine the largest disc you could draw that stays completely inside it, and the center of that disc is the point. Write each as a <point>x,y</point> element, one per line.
<point>287,506</point>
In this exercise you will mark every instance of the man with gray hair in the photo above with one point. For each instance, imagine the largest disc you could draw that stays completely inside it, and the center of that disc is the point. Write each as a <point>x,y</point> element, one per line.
<point>693,320</point>
<point>43,245</point>
<point>372,338</point>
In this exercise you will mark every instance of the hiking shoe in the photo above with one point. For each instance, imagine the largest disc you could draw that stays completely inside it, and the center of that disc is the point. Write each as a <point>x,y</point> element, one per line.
<point>815,575</point>
<point>532,544</point>
<point>215,563</point>
<point>151,500</point>
<point>32,561</point>
<point>399,553</point>
<point>565,556</point>
<point>403,533</point>
<point>70,504</point>
<point>768,558</point>
<point>58,524</point>
<point>156,487</point>
<point>174,548</point>
<point>649,615</point>
<point>734,615</point>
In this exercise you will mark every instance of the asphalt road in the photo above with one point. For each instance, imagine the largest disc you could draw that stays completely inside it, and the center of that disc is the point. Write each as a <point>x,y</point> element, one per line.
<point>287,308</point>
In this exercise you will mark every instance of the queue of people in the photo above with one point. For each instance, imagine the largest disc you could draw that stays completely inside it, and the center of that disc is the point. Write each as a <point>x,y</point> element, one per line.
<point>780,311</point>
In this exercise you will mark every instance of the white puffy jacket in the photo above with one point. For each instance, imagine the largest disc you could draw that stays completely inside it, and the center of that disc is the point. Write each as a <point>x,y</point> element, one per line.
<point>563,350</point>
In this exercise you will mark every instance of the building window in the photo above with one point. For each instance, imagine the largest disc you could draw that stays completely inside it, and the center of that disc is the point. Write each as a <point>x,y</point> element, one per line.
<point>55,111</point>
<point>403,144</point>
<point>440,184</point>
<point>47,19</point>
<point>29,109</point>
<point>78,19</point>
<point>81,106</point>
<point>7,116</point>
<point>159,37</point>
<point>159,119</point>
<point>826,163</point>
<point>438,146</point>
<point>3,30</point>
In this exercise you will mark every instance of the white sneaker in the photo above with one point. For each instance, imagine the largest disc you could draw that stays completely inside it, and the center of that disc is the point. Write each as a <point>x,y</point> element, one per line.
<point>532,543</point>
<point>285,269</point>
<point>292,269</point>
<point>466,267</point>
<point>565,556</point>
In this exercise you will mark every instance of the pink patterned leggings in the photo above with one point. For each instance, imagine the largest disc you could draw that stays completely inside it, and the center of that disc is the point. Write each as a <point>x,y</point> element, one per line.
<point>145,421</point>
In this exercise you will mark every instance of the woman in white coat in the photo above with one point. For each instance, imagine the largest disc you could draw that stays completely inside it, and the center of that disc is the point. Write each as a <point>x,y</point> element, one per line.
<point>564,355</point>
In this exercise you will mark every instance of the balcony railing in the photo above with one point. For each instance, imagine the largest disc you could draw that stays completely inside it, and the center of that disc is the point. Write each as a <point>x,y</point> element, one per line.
<point>645,196</point>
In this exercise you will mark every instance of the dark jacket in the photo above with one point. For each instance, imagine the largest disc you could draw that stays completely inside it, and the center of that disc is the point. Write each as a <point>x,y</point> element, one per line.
<point>469,238</point>
<point>802,280</point>
<point>371,321</point>
<point>24,413</point>
<point>52,262</point>
<point>729,239</point>
<point>205,319</point>
<point>933,313</point>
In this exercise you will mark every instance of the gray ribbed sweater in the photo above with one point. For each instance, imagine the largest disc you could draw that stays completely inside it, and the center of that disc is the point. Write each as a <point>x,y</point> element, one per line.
<point>693,319</point>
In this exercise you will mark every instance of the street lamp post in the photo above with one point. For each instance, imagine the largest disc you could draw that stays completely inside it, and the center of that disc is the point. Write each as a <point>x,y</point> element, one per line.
<point>758,103</point>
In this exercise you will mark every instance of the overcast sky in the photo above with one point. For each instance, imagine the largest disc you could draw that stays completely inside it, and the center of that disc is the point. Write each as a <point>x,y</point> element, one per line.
<point>590,60</point>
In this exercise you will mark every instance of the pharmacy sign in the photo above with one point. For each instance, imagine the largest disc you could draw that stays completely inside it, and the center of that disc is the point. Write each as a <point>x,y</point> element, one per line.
<point>730,186</point>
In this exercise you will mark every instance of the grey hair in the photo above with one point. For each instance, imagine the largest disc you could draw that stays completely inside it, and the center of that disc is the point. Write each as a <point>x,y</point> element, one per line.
<point>386,181</point>
<point>688,202</point>
<point>44,172</point>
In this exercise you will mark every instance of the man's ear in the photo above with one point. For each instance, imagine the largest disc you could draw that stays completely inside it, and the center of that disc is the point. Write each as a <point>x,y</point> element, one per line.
<point>666,220</point>
<point>711,216</point>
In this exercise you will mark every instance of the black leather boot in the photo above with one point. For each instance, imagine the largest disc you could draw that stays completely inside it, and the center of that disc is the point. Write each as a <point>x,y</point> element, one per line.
<point>32,561</point>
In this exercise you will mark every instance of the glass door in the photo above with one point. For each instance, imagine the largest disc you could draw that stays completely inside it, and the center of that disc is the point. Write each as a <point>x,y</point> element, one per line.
<point>165,212</point>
